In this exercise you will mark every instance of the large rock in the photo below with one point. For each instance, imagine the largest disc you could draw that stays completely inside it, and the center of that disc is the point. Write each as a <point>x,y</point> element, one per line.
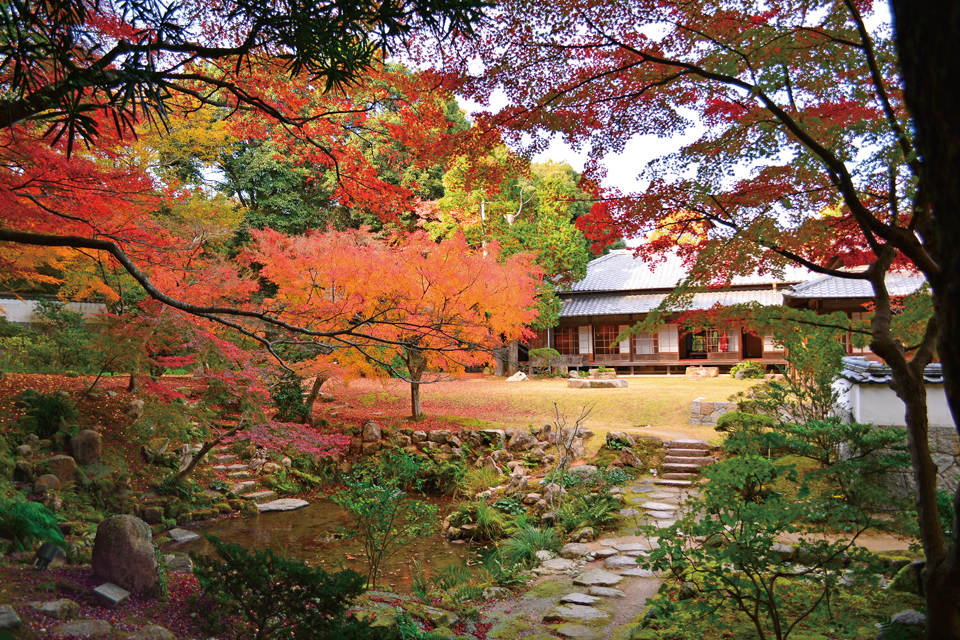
<point>62,609</point>
<point>521,440</point>
<point>64,467</point>
<point>9,618</point>
<point>372,432</point>
<point>597,578</point>
<point>47,482</point>
<point>85,446</point>
<point>519,376</point>
<point>84,629</point>
<point>123,553</point>
<point>630,459</point>
<point>152,633</point>
<point>573,550</point>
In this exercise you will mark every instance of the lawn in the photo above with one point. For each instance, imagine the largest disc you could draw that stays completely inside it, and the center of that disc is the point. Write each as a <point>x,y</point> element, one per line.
<point>658,405</point>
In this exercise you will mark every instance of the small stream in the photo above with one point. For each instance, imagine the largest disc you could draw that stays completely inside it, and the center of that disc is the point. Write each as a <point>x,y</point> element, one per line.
<point>306,534</point>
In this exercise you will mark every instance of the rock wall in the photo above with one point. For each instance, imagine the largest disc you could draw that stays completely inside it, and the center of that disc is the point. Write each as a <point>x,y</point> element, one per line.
<point>945,451</point>
<point>705,412</point>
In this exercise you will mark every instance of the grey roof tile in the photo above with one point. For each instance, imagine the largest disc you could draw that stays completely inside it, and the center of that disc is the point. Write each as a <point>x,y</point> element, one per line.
<point>863,371</point>
<point>899,283</point>
<point>619,304</point>
<point>620,271</point>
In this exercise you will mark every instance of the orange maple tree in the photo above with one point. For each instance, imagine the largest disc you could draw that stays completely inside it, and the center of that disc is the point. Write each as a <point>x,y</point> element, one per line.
<point>369,305</point>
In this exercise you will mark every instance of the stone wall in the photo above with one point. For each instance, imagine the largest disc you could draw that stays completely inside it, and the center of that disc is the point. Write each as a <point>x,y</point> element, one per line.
<point>705,412</point>
<point>945,451</point>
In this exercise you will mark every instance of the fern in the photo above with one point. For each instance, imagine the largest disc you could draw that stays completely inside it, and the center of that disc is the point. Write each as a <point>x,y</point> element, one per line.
<point>27,522</point>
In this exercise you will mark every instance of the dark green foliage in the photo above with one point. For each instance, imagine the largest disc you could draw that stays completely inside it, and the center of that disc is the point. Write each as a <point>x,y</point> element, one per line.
<point>596,510</point>
<point>510,505</point>
<point>945,509</point>
<point>488,522</point>
<point>287,396</point>
<point>46,412</point>
<point>383,518</point>
<point>279,597</point>
<point>750,368</point>
<point>522,545</point>
<point>27,522</point>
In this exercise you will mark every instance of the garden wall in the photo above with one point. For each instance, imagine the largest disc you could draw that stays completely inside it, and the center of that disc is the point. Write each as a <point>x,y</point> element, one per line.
<point>705,412</point>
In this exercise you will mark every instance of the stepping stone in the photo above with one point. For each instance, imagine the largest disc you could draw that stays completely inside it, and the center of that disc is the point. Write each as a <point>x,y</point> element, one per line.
<point>575,632</point>
<point>686,453</point>
<point>9,618</point>
<point>261,496</point>
<point>225,459</point>
<point>638,573</point>
<point>628,513</point>
<point>642,488</point>
<point>697,462</point>
<point>606,592</point>
<point>661,515</point>
<point>627,547</point>
<point>667,482</point>
<point>658,506</point>
<point>62,609</point>
<point>687,477</point>
<point>238,467</point>
<point>283,504</point>
<point>84,629</point>
<point>558,564</point>
<point>620,562</point>
<point>576,612</point>
<point>689,444</point>
<point>606,552</point>
<point>220,468</point>
<point>574,550</point>
<point>664,524</point>
<point>597,578</point>
<point>579,598</point>
<point>662,495</point>
<point>247,486</point>
<point>608,542</point>
<point>110,594</point>
<point>679,467</point>
<point>182,535</point>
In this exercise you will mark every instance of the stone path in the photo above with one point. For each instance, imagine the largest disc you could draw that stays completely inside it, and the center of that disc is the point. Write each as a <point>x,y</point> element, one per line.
<point>600,589</point>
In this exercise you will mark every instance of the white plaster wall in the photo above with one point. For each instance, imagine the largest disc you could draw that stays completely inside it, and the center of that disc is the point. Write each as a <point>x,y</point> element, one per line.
<point>878,404</point>
<point>16,310</point>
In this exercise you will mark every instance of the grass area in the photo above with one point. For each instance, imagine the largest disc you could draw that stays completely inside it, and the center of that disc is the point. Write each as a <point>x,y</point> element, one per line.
<point>661,402</point>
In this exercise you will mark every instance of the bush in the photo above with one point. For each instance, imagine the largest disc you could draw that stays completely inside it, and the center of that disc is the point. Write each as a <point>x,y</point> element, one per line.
<point>279,597</point>
<point>747,433</point>
<point>522,545</point>
<point>46,412</point>
<point>750,368</point>
<point>598,511</point>
<point>27,522</point>
<point>489,523</point>
<point>287,397</point>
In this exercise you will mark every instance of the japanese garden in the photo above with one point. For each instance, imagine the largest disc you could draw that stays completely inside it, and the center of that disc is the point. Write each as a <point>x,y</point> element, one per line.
<point>498,320</point>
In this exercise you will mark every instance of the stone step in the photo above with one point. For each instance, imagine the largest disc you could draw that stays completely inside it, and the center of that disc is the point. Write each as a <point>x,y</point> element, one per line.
<point>238,467</point>
<point>685,453</point>
<point>678,476</point>
<point>680,468</point>
<point>689,444</point>
<point>698,462</point>
<point>670,482</point>
<point>239,475</point>
<point>224,459</point>
<point>261,496</point>
<point>247,486</point>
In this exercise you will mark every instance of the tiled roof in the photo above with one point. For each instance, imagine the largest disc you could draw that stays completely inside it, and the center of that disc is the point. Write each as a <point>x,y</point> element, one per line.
<point>620,271</point>
<point>619,304</point>
<point>899,283</point>
<point>863,371</point>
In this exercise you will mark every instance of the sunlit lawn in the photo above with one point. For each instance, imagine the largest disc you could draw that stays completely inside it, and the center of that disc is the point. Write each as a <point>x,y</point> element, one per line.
<point>661,402</point>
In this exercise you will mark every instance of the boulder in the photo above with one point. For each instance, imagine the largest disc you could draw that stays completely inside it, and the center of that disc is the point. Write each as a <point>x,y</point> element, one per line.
<point>84,629</point>
<point>521,440</point>
<point>517,484</point>
<point>85,446</point>
<point>152,632</point>
<point>372,432</point>
<point>501,456</point>
<point>519,376</point>
<point>629,459</point>
<point>47,482</point>
<point>439,436</point>
<point>123,553</point>
<point>574,550</point>
<point>64,467</point>
<point>586,534</point>
<point>621,437</point>
<point>9,618</point>
<point>909,579</point>
<point>24,451</point>
<point>135,408</point>
<point>489,463</point>
<point>178,563</point>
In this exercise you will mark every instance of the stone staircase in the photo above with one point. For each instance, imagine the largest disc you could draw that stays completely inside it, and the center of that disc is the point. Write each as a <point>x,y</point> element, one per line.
<point>682,462</point>
<point>243,484</point>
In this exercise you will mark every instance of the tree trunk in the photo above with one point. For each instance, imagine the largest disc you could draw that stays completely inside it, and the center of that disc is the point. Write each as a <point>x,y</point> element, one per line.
<point>132,386</point>
<point>415,408</point>
<point>928,39</point>
<point>313,395</point>
<point>513,357</point>
<point>500,359</point>
<point>416,365</point>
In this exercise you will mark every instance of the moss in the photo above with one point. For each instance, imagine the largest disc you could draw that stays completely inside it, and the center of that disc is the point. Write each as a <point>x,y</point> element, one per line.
<point>510,627</point>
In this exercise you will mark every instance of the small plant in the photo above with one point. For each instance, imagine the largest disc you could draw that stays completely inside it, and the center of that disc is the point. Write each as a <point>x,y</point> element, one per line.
<point>488,523</point>
<point>510,505</point>
<point>598,511</point>
<point>603,369</point>
<point>47,412</point>
<point>750,368</point>
<point>279,597</point>
<point>479,479</point>
<point>27,522</point>
<point>522,546</point>
<point>287,396</point>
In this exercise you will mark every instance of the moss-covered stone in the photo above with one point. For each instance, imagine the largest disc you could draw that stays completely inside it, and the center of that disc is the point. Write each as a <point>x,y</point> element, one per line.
<point>223,507</point>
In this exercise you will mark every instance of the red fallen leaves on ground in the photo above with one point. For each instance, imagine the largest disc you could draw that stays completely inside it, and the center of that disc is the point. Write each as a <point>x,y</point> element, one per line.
<point>77,584</point>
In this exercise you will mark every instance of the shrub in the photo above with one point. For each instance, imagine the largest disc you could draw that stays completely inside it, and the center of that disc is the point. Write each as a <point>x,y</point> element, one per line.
<point>479,479</point>
<point>46,412</point>
<point>522,545</point>
<point>27,522</point>
<point>279,597</point>
<point>598,511</point>
<point>489,523</point>
<point>747,433</point>
<point>383,519</point>
<point>287,397</point>
<point>750,368</point>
